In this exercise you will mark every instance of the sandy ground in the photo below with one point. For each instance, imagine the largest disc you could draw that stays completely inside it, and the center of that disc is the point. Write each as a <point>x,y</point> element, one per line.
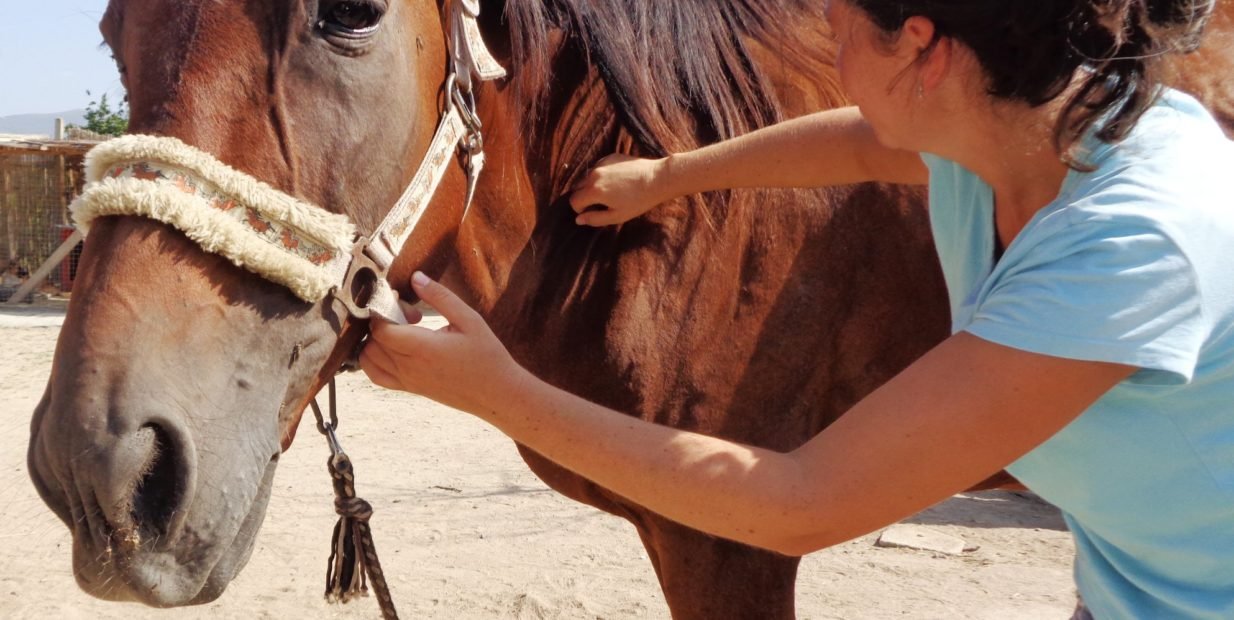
<point>464,530</point>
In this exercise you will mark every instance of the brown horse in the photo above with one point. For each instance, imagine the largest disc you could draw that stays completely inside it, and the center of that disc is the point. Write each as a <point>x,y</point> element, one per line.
<point>758,316</point>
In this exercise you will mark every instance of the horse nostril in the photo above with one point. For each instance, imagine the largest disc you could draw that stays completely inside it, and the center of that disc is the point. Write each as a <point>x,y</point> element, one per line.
<point>161,486</point>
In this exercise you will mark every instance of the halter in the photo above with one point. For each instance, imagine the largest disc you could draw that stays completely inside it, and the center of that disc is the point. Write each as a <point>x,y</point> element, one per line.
<point>460,128</point>
<point>314,253</point>
<point>301,246</point>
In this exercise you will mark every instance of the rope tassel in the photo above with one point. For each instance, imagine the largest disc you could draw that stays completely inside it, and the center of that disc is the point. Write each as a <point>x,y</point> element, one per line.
<point>353,555</point>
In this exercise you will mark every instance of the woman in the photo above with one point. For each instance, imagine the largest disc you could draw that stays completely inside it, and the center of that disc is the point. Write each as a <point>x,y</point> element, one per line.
<point>1081,220</point>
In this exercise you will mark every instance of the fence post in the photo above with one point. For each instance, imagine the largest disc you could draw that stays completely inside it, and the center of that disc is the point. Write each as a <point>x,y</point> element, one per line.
<point>10,212</point>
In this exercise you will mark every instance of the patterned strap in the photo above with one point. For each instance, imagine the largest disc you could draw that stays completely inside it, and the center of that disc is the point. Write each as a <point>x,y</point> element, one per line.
<point>459,128</point>
<point>387,241</point>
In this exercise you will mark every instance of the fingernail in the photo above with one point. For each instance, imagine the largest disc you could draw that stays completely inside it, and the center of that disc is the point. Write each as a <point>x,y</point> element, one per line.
<point>419,279</point>
<point>579,220</point>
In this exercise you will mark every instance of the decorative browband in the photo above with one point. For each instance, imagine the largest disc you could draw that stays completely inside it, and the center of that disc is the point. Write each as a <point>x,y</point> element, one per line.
<point>226,212</point>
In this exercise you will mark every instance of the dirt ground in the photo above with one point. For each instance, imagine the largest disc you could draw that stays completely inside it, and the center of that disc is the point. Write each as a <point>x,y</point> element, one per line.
<point>464,530</point>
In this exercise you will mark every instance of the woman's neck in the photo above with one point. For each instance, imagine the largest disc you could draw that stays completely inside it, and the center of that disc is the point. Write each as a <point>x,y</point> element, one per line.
<point>1011,147</point>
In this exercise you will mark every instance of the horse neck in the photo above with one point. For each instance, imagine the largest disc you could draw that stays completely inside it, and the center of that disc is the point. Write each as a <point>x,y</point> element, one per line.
<point>520,250</point>
<point>521,221</point>
<point>520,255</point>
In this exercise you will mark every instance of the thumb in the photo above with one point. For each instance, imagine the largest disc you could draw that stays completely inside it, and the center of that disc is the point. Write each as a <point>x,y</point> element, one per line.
<point>615,158</point>
<point>582,197</point>
<point>444,301</point>
<point>600,217</point>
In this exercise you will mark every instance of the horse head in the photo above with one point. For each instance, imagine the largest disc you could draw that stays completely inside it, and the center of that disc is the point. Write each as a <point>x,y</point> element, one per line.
<point>181,374</point>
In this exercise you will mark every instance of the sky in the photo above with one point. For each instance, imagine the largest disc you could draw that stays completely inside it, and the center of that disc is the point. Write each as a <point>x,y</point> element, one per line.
<point>50,55</point>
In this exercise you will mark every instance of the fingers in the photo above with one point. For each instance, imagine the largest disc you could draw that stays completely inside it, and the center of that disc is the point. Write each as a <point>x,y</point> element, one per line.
<point>585,195</point>
<point>410,312</point>
<point>399,339</point>
<point>444,301</point>
<point>376,356</point>
<point>378,371</point>
<point>601,217</point>
<point>380,377</point>
<point>618,189</point>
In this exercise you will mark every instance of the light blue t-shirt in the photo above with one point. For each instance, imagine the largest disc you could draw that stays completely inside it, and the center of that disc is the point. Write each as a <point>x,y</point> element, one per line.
<point>1133,263</point>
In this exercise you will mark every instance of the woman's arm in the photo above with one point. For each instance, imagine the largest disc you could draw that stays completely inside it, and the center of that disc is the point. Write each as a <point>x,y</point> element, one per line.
<point>963,411</point>
<point>833,147</point>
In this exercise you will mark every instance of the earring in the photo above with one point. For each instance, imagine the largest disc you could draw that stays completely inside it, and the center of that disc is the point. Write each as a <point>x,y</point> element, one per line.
<point>920,91</point>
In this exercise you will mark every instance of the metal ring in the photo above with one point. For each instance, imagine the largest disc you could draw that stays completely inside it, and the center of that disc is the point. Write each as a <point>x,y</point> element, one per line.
<point>474,142</point>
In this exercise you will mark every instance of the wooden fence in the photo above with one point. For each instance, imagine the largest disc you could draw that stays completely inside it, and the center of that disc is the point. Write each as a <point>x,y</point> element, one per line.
<point>37,183</point>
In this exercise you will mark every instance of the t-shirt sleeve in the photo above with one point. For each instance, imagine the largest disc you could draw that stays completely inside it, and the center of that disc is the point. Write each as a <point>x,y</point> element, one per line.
<point>1101,292</point>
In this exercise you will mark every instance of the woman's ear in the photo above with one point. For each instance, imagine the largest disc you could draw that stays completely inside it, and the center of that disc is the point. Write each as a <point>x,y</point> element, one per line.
<point>917,33</point>
<point>933,52</point>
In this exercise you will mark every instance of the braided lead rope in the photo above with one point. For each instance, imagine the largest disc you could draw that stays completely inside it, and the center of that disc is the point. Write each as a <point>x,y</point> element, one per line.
<point>353,554</point>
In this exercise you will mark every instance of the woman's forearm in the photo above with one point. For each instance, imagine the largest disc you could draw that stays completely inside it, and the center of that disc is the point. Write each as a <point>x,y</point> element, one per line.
<point>726,489</point>
<point>910,443</point>
<point>833,147</point>
<point>752,495</point>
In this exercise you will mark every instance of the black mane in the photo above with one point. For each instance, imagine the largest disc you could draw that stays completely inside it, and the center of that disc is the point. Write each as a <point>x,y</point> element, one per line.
<point>678,73</point>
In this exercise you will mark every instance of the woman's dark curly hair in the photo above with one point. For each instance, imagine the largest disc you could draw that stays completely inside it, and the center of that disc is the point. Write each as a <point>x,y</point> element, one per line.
<point>1031,50</point>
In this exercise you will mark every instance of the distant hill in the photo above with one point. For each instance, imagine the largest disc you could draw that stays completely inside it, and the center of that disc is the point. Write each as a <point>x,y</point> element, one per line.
<point>39,124</point>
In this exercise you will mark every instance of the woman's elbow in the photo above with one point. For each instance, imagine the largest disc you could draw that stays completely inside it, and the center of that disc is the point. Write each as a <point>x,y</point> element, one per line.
<point>796,536</point>
<point>797,546</point>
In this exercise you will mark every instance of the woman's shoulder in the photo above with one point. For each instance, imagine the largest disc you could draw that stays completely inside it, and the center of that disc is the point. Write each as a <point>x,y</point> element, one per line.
<point>1177,134</point>
<point>1173,167</point>
<point>1166,187</point>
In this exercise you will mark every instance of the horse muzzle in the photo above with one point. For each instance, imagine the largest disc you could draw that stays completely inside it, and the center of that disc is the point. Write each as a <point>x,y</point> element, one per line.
<point>121,485</point>
<point>124,486</point>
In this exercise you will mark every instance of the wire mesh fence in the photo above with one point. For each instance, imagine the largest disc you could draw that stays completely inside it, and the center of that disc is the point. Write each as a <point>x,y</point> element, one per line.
<point>35,191</point>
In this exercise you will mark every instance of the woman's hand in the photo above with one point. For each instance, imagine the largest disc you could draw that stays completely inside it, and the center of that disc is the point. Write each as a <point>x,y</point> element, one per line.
<point>624,187</point>
<point>462,365</point>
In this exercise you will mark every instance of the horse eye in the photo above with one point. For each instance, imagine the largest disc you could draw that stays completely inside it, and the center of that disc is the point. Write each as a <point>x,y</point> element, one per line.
<point>351,19</point>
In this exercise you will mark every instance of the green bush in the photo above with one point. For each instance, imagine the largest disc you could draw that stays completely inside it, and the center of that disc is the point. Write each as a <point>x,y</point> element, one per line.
<point>101,119</point>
